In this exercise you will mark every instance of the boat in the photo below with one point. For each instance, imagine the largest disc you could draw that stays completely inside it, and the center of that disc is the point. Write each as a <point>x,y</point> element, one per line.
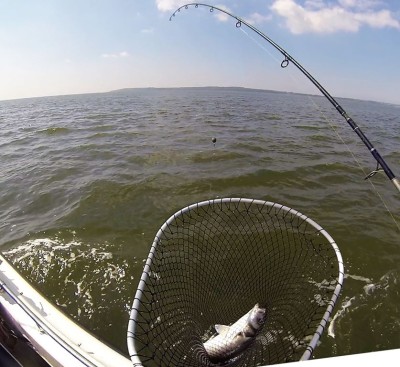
<point>57,340</point>
<point>51,337</point>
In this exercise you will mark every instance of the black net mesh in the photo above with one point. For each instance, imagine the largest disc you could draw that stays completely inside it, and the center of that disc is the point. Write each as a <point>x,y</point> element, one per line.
<point>212,262</point>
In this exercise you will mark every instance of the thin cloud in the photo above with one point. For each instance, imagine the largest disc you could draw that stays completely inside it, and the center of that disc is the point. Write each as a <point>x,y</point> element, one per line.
<point>318,16</point>
<point>257,18</point>
<point>147,30</point>
<point>222,17</point>
<point>315,4</point>
<point>361,4</point>
<point>115,56</point>
<point>170,5</point>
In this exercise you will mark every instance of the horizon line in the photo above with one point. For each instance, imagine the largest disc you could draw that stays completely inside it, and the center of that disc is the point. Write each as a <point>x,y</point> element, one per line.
<point>193,87</point>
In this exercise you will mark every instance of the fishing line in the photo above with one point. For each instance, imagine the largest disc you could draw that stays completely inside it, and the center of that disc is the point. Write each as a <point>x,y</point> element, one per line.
<point>374,189</point>
<point>259,44</point>
<point>381,163</point>
<point>315,104</point>
<point>331,125</point>
<point>267,50</point>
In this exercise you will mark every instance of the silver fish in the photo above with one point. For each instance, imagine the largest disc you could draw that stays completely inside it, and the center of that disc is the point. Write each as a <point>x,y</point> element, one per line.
<point>234,339</point>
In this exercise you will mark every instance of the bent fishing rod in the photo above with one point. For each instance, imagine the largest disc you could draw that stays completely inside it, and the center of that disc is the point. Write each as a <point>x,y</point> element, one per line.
<point>381,164</point>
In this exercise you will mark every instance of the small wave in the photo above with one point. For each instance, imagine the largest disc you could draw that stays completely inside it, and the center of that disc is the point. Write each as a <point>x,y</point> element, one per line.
<point>339,314</point>
<point>55,130</point>
<point>307,127</point>
<point>364,305</point>
<point>103,128</point>
<point>358,277</point>
<point>91,281</point>
<point>348,301</point>
<point>273,117</point>
<point>77,276</point>
<point>322,138</point>
<point>100,116</point>
<point>206,157</point>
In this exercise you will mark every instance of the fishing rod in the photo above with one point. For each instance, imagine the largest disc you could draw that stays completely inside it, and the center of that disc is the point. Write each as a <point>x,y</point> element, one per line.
<point>381,164</point>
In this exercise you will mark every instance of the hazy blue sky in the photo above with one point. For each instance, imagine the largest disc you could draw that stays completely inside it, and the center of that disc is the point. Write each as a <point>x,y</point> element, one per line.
<point>51,47</point>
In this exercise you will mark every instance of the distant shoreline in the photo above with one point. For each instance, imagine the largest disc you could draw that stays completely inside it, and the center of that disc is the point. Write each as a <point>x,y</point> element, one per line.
<point>245,89</point>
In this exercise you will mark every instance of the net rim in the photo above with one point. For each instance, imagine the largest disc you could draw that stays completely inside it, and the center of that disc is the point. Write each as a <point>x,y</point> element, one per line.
<point>331,304</point>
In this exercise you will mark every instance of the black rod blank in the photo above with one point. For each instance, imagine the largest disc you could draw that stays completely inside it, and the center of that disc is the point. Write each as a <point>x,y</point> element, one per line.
<point>288,58</point>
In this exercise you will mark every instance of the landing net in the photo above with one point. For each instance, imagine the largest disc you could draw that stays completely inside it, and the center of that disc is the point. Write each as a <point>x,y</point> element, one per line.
<point>211,262</point>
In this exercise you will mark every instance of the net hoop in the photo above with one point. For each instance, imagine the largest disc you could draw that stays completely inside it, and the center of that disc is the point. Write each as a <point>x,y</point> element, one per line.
<point>220,203</point>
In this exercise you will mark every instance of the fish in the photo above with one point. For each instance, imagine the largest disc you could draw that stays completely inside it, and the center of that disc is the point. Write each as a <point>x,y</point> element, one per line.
<point>232,340</point>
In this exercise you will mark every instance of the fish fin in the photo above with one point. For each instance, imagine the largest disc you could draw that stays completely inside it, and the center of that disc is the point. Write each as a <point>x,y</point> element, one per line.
<point>222,329</point>
<point>243,336</point>
<point>248,333</point>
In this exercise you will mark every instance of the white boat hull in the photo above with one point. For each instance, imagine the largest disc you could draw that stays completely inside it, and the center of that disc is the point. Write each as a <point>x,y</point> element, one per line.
<point>59,340</point>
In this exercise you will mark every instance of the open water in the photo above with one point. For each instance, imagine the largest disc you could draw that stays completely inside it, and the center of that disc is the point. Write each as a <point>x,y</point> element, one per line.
<point>87,180</point>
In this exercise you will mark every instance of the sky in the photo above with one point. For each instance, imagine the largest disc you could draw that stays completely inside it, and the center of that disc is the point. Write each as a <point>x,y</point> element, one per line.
<point>57,47</point>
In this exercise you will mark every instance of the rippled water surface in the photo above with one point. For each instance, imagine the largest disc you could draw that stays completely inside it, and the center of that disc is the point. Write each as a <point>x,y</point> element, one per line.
<point>87,180</point>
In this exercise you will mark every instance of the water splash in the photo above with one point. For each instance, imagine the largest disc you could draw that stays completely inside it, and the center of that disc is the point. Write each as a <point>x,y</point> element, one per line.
<point>369,308</point>
<point>87,281</point>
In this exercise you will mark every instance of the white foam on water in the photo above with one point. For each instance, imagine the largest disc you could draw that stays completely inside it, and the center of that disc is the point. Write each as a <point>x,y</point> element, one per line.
<point>345,305</point>
<point>369,289</point>
<point>371,294</point>
<point>82,278</point>
<point>358,277</point>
